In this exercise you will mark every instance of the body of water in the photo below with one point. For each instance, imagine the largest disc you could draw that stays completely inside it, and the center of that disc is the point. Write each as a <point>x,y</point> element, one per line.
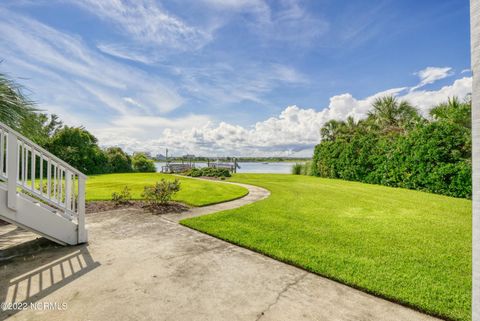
<point>252,167</point>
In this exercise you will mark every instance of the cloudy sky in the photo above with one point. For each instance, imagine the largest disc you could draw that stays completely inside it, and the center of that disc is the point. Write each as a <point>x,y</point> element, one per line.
<point>230,77</point>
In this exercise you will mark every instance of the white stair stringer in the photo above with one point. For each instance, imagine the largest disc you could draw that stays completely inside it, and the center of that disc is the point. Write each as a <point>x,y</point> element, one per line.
<point>36,218</point>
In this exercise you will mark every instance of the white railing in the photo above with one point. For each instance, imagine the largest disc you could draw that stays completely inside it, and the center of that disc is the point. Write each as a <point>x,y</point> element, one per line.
<point>40,175</point>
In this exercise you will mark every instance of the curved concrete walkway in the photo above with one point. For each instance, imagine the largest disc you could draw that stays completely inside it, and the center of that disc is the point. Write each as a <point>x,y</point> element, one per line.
<point>255,194</point>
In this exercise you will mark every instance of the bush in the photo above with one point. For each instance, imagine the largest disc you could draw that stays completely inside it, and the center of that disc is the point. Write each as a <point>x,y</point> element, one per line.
<point>141,163</point>
<point>307,168</point>
<point>194,172</point>
<point>433,156</point>
<point>297,169</point>
<point>123,197</point>
<point>118,160</point>
<point>78,147</point>
<point>161,192</point>
<point>208,172</point>
<point>302,169</point>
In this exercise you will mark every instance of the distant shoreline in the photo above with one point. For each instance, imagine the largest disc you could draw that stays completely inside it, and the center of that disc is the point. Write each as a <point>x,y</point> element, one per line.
<point>239,161</point>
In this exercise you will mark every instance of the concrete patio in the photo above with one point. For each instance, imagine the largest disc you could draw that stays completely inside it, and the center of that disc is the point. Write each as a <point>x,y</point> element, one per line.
<point>139,266</point>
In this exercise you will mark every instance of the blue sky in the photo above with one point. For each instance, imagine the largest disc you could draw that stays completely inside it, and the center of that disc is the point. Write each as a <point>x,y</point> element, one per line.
<point>230,77</point>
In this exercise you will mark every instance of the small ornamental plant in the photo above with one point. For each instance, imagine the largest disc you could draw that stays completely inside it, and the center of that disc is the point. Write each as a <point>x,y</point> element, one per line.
<point>122,198</point>
<point>161,192</point>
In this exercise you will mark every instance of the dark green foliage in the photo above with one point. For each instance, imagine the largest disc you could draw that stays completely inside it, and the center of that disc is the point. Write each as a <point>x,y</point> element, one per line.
<point>208,172</point>
<point>307,168</point>
<point>76,146</point>
<point>141,163</point>
<point>302,169</point>
<point>194,172</point>
<point>389,114</point>
<point>453,111</point>
<point>40,127</point>
<point>118,160</point>
<point>79,148</point>
<point>20,113</point>
<point>15,106</point>
<point>123,197</point>
<point>161,192</point>
<point>401,149</point>
<point>297,169</point>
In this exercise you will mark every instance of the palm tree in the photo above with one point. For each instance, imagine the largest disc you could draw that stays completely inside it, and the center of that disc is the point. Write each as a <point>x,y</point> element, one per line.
<point>350,126</point>
<point>389,114</point>
<point>475,47</point>
<point>15,107</point>
<point>331,130</point>
<point>453,111</point>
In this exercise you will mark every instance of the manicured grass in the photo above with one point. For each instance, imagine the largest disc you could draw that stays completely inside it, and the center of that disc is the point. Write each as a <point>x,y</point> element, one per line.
<point>407,246</point>
<point>193,192</point>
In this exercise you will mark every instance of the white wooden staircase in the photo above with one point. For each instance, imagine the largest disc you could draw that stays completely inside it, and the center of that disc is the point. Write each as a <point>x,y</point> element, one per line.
<point>40,192</point>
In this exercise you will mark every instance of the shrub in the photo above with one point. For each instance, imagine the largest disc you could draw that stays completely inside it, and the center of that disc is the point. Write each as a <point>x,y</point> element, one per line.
<point>123,197</point>
<point>297,169</point>
<point>194,172</point>
<point>208,172</point>
<point>302,169</point>
<point>161,192</point>
<point>431,155</point>
<point>307,168</point>
<point>118,160</point>
<point>79,148</point>
<point>141,163</point>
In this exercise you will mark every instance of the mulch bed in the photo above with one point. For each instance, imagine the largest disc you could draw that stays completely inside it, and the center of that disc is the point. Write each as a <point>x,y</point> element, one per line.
<point>103,206</point>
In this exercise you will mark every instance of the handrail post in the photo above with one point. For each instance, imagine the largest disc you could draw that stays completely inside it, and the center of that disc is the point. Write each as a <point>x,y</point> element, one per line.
<point>82,233</point>
<point>12,168</point>
<point>68,190</point>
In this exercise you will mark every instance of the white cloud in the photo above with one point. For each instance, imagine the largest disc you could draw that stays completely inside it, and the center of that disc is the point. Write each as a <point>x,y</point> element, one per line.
<point>149,30</point>
<point>293,132</point>
<point>124,105</point>
<point>125,52</point>
<point>58,63</point>
<point>222,83</point>
<point>425,99</point>
<point>288,22</point>
<point>287,74</point>
<point>430,75</point>
<point>129,107</point>
<point>237,4</point>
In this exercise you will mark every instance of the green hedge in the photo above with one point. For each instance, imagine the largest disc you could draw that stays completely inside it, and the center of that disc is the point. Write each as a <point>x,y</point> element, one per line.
<point>434,156</point>
<point>208,172</point>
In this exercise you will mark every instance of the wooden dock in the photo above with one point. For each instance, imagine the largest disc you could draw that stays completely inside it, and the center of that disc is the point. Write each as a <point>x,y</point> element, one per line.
<point>176,168</point>
<point>232,167</point>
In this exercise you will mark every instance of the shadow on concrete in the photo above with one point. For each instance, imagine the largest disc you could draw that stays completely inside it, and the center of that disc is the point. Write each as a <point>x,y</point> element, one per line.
<point>25,248</point>
<point>28,279</point>
<point>11,236</point>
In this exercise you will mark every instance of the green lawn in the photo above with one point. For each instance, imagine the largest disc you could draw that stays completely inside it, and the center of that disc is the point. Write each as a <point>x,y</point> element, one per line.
<point>407,246</point>
<point>193,192</point>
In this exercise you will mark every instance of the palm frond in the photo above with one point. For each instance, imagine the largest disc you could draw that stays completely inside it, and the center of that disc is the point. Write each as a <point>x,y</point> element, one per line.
<point>15,106</point>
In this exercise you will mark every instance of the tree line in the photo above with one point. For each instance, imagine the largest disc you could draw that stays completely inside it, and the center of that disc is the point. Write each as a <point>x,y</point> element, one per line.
<point>394,145</point>
<point>74,145</point>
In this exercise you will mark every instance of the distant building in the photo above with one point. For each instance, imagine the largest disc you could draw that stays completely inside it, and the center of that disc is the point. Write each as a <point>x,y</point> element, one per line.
<point>188,156</point>
<point>160,157</point>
